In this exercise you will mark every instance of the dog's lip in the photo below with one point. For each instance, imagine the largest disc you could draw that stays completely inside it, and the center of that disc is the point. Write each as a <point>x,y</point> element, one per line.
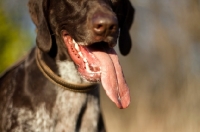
<point>87,64</point>
<point>93,71</point>
<point>108,71</point>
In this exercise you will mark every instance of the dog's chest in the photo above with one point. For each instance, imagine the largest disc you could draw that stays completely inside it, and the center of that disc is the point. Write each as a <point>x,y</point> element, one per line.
<point>71,112</point>
<point>67,112</point>
<point>76,111</point>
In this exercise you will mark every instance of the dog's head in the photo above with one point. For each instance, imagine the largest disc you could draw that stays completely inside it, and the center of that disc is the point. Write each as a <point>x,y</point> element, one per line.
<point>86,31</point>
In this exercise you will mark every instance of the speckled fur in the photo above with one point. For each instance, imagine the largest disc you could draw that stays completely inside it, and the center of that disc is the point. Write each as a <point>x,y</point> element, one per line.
<point>68,71</point>
<point>62,118</point>
<point>24,110</point>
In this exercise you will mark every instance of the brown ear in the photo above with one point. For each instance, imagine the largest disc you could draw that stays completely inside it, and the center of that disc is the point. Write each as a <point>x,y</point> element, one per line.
<point>38,10</point>
<point>125,13</point>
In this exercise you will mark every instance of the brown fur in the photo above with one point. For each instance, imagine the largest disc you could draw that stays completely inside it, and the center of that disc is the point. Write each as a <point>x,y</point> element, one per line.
<point>29,102</point>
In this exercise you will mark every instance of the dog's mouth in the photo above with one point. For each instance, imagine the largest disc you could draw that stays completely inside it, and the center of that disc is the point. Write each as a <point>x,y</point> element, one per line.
<point>99,62</point>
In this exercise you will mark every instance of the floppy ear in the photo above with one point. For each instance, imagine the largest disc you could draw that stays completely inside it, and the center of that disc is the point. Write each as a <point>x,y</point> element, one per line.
<point>125,13</point>
<point>38,10</point>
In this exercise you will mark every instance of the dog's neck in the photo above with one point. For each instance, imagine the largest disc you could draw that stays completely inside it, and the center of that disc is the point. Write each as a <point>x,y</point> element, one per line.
<point>68,71</point>
<point>54,73</point>
<point>64,68</point>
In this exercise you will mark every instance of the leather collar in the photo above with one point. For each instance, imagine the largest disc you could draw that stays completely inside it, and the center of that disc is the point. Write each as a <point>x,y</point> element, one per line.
<point>48,73</point>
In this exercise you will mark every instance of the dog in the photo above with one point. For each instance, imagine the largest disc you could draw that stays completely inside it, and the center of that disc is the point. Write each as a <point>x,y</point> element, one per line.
<point>55,88</point>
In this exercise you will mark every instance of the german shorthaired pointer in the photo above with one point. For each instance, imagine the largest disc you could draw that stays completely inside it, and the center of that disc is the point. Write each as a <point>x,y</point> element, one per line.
<point>55,87</point>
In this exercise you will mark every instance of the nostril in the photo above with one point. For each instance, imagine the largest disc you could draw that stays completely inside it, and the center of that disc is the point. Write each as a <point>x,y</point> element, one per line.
<point>99,28</point>
<point>113,27</point>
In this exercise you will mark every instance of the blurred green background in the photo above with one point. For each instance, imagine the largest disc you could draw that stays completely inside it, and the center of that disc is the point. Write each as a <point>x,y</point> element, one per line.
<point>16,32</point>
<point>162,70</point>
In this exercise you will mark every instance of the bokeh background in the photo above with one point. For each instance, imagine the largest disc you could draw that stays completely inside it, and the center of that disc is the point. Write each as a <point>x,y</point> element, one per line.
<point>162,70</point>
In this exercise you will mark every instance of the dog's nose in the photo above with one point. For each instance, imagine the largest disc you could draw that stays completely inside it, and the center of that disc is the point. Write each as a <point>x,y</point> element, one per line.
<point>104,24</point>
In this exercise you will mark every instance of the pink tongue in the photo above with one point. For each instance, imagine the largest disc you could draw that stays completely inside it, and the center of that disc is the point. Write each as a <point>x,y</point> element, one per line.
<point>112,77</point>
